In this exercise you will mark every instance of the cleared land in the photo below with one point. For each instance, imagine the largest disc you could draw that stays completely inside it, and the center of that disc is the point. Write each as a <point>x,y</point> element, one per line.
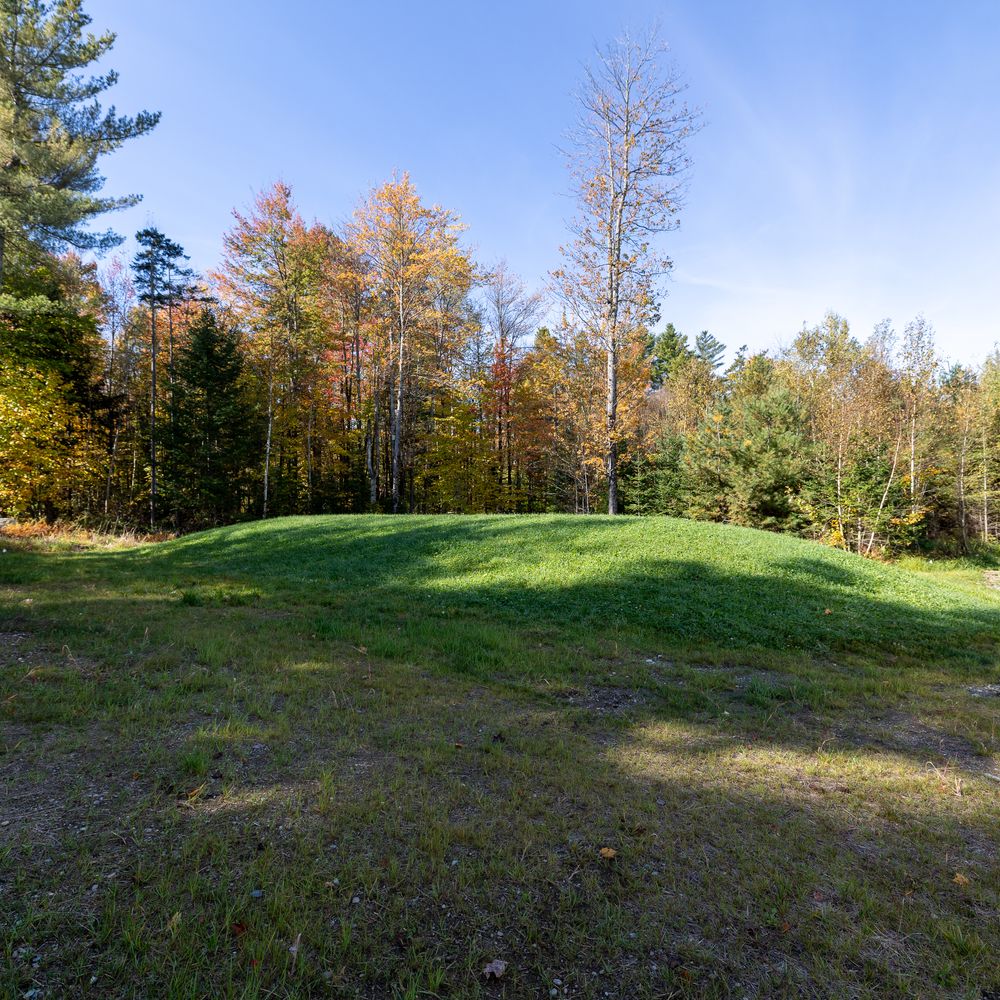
<point>366,757</point>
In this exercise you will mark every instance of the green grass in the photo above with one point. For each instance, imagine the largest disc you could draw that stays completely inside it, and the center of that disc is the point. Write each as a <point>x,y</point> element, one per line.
<point>365,756</point>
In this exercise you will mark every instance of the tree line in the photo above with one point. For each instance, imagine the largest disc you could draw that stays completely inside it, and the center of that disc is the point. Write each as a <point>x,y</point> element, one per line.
<point>378,366</point>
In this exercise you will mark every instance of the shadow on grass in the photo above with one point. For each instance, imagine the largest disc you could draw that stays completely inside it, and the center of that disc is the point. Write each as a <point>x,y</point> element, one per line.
<point>371,832</point>
<point>323,758</point>
<point>580,580</point>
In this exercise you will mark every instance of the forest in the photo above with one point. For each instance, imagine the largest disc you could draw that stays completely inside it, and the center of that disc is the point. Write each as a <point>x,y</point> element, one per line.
<point>382,619</point>
<point>378,365</point>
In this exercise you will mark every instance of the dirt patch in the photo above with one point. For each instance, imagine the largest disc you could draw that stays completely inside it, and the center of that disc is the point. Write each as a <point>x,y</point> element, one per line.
<point>985,691</point>
<point>903,733</point>
<point>68,782</point>
<point>605,700</point>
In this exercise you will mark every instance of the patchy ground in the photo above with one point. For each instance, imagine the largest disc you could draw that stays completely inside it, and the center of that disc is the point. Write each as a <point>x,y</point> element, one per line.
<point>218,780</point>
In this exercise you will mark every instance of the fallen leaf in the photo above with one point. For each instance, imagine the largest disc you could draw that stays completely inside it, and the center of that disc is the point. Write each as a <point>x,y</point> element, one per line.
<point>827,611</point>
<point>786,927</point>
<point>496,968</point>
<point>960,879</point>
<point>238,929</point>
<point>608,853</point>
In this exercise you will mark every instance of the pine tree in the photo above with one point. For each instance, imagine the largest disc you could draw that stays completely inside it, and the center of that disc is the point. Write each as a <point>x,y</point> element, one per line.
<point>53,129</point>
<point>709,349</point>
<point>156,267</point>
<point>667,349</point>
<point>213,441</point>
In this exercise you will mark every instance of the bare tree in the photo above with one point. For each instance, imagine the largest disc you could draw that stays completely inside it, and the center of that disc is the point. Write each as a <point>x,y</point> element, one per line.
<point>628,156</point>
<point>511,314</point>
<point>919,367</point>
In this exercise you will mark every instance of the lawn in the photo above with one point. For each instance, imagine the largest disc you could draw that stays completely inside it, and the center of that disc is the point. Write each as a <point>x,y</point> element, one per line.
<point>370,756</point>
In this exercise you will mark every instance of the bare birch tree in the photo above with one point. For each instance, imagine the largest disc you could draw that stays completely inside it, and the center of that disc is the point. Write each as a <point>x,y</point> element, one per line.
<point>512,314</point>
<point>628,156</point>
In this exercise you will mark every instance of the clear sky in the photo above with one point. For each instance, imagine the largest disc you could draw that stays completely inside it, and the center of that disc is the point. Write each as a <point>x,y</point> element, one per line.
<point>850,159</point>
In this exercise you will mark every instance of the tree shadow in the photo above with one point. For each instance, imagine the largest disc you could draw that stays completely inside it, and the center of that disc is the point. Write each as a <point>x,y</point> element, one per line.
<point>405,822</point>
<point>798,602</point>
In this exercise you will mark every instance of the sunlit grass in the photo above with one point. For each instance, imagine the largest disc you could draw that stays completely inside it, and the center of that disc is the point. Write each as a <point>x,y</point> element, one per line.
<point>366,756</point>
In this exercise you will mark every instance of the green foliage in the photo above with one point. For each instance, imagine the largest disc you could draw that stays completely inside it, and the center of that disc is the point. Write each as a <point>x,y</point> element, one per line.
<point>48,324</point>
<point>161,276</point>
<point>654,483</point>
<point>769,461</point>
<point>666,349</point>
<point>214,435</point>
<point>53,129</point>
<point>709,349</point>
<point>51,399</point>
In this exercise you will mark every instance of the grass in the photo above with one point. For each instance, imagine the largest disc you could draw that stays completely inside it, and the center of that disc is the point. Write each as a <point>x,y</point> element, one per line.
<point>366,756</point>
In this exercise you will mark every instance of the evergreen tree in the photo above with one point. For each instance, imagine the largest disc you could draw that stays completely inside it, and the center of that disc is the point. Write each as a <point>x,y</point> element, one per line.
<point>213,441</point>
<point>156,267</point>
<point>768,461</point>
<point>53,129</point>
<point>666,350</point>
<point>709,349</point>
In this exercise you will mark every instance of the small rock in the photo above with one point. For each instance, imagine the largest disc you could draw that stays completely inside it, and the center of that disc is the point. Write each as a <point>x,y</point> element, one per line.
<point>495,969</point>
<point>988,691</point>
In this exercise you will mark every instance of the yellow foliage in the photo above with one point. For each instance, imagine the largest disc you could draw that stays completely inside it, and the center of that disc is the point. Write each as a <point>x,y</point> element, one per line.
<point>39,455</point>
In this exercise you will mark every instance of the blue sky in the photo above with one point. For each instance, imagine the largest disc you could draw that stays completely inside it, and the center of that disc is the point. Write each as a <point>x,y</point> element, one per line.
<point>850,159</point>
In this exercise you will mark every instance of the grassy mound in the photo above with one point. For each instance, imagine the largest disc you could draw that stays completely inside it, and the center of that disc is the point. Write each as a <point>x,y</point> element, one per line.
<point>642,581</point>
<point>367,756</point>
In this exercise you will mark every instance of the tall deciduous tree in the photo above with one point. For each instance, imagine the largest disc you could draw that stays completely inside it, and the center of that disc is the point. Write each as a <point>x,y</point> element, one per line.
<point>270,269</point>
<point>919,364</point>
<point>53,129</point>
<point>511,316</point>
<point>411,254</point>
<point>628,155</point>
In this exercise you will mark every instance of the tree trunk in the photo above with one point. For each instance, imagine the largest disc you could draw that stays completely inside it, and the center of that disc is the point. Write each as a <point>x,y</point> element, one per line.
<point>962,516</point>
<point>397,417</point>
<point>270,425</point>
<point>986,495</point>
<point>611,423</point>
<point>152,414</point>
